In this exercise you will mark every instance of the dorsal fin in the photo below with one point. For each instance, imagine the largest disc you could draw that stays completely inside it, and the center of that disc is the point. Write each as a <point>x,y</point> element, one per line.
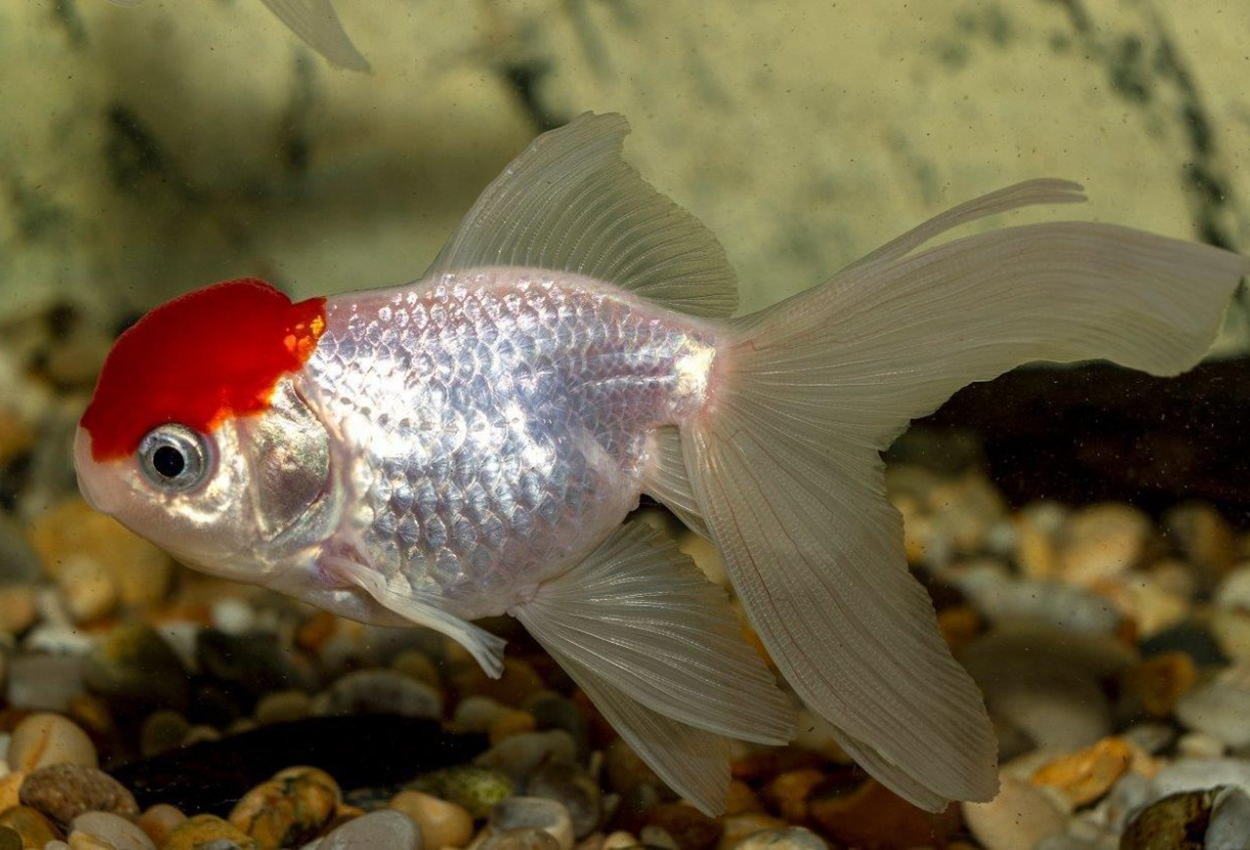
<point>570,203</point>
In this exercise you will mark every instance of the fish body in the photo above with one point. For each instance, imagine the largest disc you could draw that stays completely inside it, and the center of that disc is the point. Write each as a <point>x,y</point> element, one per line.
<point>497,423</point>
<point>470,444</point>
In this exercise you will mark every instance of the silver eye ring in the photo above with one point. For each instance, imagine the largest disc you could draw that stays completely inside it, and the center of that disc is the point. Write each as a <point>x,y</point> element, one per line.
<point>174,457</point>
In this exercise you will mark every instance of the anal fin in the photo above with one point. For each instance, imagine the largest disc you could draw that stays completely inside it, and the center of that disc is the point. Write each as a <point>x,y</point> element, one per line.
<point>656,646</point>
<point>694,762</point>
<point>669,483</point>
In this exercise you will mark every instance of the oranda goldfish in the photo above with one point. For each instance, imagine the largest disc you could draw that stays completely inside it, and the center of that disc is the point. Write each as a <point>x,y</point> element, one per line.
<point>471,444</point>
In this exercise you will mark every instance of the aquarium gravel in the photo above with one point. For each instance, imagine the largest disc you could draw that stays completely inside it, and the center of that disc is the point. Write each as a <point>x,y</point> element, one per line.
<point>147,706</point>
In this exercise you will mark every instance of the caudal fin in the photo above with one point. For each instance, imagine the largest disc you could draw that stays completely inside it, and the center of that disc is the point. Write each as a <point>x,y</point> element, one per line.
<point>785,467</point>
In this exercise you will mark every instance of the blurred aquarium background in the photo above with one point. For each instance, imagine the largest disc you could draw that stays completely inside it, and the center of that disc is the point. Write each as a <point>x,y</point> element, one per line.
<point>1085,532</point>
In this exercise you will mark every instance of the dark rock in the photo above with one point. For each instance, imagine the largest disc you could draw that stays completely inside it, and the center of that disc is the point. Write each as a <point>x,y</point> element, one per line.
<point>9,840</point>
<point>359,750</point>
<point>65,791</point>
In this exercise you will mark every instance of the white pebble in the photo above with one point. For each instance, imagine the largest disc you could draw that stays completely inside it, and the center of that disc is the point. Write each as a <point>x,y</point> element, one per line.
<point>1230,821</point>
<point>1020,816</point>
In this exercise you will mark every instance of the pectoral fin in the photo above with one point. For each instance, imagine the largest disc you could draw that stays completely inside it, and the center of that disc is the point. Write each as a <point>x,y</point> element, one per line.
<point>485,647</point>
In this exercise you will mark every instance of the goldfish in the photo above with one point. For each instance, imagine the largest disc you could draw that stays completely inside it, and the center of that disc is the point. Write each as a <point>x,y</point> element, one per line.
<point>473,443</point>
<point>316,23</point>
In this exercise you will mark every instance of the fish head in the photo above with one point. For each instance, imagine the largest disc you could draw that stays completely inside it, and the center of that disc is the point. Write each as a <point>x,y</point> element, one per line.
<point>200,437</point>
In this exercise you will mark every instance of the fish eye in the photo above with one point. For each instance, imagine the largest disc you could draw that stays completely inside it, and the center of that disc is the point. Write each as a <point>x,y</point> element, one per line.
<point>174,457</point>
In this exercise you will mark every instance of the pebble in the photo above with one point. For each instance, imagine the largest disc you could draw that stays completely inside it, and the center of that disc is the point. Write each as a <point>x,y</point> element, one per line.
<point>87,588</point>
<point>34,829</point>
<point>289,809</point>
<point>64,791</point>
<point>1066,607</point>
<point>511,723</point>
<point>1202,774</point>
<point>618,840</point>
<point>519,679</point>
<point>162,731</point>
<point>738,827</point>
<point>209,831</point>
<point>117,832</point>
<point>443,824</point>
<point>788,792</point>
<point>233,616</point>
<point>625,771</point>
<point>1127,797</point>
<point>1229,827</point>
<point>160,821</point>
<point>137,671</point>
<point>792,838</point>
<point>1221,706</point>
<point>10,840</point>
<point>415,664</point>
<point>520,839</point>
<point>283,707</point>
<point>534,813</point>
<point>45,739</point>
<point>520,755</point>
<point>45,682</point>
<point>257,663</point>
<point>476,714</point>
<point>477,789</point>
<point>1086,775</point>
<point>1202,536</point>
<point>553,711</point>
<point>381,692</point>
<point>574,789</point>
<point>1176,822</point>
<point>658,837</point>
<point>859,812</point>
<point>1020,816</point>
<point>374,831</point>
<point>1101,541</point>
<point>10,784</point>
<point>1161,681</point>
<point>1197,745</point>
<point>689,828</point>
<point>17,607</point>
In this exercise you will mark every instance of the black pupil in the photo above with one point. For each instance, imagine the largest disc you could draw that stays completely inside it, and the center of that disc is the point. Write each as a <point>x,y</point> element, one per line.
<point>168,461</point>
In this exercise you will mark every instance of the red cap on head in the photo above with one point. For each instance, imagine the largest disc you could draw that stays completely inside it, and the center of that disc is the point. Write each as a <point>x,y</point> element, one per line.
<point>197,359</point>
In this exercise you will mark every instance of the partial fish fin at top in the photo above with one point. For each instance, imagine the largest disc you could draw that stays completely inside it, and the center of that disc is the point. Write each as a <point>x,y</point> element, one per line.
<point>787,472</point>
<point>486,648</point>
<point>316,22</point>
<point>571,203</point>
<point>638,613</point>
<point>668,481</point>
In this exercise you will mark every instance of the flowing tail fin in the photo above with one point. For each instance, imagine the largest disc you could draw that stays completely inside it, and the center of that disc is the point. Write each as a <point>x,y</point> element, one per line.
<point>784,461</point>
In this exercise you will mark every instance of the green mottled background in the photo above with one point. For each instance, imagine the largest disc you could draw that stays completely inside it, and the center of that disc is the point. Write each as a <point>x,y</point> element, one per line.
<point>148,150</point>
